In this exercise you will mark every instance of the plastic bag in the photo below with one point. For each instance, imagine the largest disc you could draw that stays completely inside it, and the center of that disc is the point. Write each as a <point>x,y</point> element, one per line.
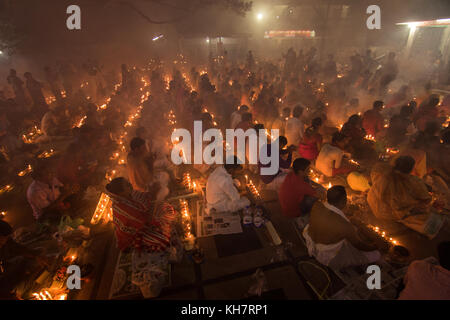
<point>259,283</point>
<point>358,182</point>
<point>67,221</point>
<point>149,272</point>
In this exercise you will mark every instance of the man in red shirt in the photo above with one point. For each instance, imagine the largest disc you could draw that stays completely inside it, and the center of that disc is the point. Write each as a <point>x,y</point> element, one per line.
<point>373,121</point>
<point>296,194</point>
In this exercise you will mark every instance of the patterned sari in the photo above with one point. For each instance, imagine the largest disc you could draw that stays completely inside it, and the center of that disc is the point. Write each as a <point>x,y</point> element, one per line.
<point>141,223</point>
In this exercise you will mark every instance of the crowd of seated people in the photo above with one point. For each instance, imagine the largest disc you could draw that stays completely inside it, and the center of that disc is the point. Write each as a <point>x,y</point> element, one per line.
<point>322,126</point>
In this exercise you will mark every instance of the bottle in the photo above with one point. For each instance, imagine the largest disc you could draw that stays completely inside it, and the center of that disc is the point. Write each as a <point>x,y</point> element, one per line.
<point>258,218</point>
<point>247,219</point>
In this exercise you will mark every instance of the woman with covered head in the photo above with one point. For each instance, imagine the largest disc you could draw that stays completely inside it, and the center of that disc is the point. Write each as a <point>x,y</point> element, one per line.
<point>397,195</point>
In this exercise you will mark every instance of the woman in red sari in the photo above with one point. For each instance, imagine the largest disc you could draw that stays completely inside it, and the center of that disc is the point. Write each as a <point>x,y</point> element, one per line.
<point>312,141</point>
<point>140,223</point>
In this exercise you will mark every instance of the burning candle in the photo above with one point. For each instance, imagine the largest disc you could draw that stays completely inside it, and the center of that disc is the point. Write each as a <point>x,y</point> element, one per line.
<point>383,234</point>
<point>186,219</point>
<point>25,171</point>
<point>46,154</point>
<point>103,206</point>
<point>253,190</point>
<point>187,180</point>
<point>6,188</point>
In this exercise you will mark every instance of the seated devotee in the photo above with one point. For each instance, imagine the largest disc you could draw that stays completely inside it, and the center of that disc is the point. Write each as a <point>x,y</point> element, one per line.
<point>312,141</point>
<point>135,218</point>
<point>396,195</point>
<point>399,126</point>
<point>75,167</point>
<point>246,122</point>
<point>221,193</point>
<point>372,120</point>
<point>441,166</point>
<point>236,116</point>
<point>148,229</point>
<point>296,194</point>
<point>140,170</point>
<point>16,261</point>
<point>358,146</point>
<point>295,127</point>
<point>141,132</point>
<point>428,111</point>
<point>46,194</point>
<point>329,161</point>
<point>426,281</point>
<point>51,123</point>
<point>412,149</point>
<point>9,143</point>
<point>273,182</point>
<point>429,141</point>
<point>332,239</point>
<point>280,122</point>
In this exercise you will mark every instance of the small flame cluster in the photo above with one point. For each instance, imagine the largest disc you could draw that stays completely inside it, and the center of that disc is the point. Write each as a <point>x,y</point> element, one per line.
<point>316,177</point>
<point>383,235</point>
<point>172,118</point>
<point>251,186</point>
<point>187,181</point>
<point>186,220</point>
<point>32,135</point>
<point>103,210</point>
<point>370,137</point>
<point>110,175</point>
<point>446,123</point>
<point>46,295</point>
<point>50,99</point>
<point>6,188</point>
<point>80,123</point>
<point>26,171</point>
<point>392,150</point>
<point>46,154</point>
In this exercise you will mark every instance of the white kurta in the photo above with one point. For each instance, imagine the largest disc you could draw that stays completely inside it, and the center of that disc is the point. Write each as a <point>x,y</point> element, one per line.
<point>221,194</point>
<point>294,131</point>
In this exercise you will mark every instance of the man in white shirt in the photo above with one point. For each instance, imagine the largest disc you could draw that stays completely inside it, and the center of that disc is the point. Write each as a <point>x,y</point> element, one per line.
<point>295,127</point>
<point>236,116</point>
<point>221,194</point>
<point>329,161</point>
